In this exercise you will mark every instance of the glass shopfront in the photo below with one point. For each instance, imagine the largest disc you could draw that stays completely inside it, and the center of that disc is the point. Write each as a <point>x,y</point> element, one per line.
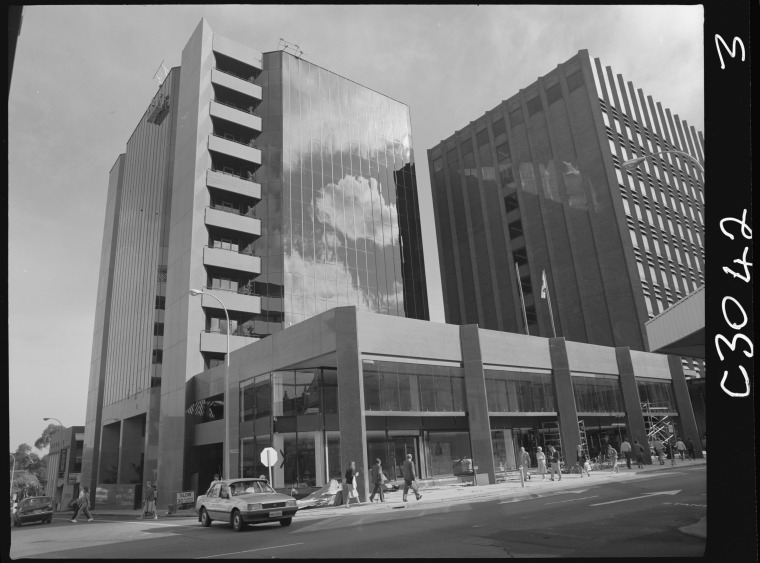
<point>295,412</point>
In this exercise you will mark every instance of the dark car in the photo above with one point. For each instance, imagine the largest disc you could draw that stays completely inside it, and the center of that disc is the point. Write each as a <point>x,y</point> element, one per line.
<point>244,501</point>
<point>34,509</point>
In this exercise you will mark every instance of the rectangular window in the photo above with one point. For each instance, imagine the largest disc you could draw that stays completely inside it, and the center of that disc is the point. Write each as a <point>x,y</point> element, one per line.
<point>534,105</point>
<point>482,138</point>
<point>516,117</point>
<point>498,129</point>
<point>575,81</point>
<point>553,94</point>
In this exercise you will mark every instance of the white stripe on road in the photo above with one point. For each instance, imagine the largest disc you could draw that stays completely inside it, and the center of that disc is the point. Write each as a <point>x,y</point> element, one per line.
<point>571,500</point>
<point>645,495</point>
<point>249,551</point>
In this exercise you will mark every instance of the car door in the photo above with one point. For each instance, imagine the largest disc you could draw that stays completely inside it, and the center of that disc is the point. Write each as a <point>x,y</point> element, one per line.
<point>225,502</point>
<point>212,501</point>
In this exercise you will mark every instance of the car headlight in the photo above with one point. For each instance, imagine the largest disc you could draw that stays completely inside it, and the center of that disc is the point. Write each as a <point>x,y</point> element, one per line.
<point>256,506</point>
<point>291,503</point>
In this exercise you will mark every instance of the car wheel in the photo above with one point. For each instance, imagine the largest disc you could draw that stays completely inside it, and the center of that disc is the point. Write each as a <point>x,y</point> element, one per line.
<point>205,518</point>
<point>286,521</point>
<point>237,521</point>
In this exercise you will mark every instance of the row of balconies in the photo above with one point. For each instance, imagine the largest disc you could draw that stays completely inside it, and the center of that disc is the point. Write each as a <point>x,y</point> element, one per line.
<point>236,97</point>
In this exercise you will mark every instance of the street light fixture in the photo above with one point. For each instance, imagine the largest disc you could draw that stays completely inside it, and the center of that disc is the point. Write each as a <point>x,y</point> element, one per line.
<point>634,162</point>
<point>227,466</point>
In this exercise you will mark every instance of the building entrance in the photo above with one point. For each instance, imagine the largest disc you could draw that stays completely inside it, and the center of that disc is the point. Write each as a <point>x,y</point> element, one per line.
<point>392,451</point>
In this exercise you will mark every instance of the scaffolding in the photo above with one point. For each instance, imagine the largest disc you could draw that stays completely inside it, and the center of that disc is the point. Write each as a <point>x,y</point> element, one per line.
<point>657,422</point>
<point>584,442</point>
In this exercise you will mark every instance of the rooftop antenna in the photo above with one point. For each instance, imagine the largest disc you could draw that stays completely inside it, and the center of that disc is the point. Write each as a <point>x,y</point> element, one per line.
<point>288,47</point>
<point>161,73</point>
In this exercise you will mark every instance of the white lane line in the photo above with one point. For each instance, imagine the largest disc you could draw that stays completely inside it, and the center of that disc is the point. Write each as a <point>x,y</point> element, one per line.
<point>248,551</point>
<point>570,500</point>
<point>645,495</point>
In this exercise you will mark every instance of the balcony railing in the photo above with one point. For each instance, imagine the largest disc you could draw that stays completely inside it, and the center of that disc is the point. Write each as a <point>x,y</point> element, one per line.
<point>251,79</point>
<point>244,252</point>
<point>251,143</point>
<point>239,331</point>
<point>249,213</point>
<point>247,176</point>
<point>244,290</point>
<point>250,109</point>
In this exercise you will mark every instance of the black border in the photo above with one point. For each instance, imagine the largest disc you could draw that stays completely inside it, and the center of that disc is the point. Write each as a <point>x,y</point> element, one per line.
<point>731,477</point>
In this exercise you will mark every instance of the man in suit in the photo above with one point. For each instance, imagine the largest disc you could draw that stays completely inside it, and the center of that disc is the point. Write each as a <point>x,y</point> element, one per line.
<point>408,472</point>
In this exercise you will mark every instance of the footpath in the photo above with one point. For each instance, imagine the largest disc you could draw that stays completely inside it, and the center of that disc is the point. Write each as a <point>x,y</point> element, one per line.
<point>463,492</point>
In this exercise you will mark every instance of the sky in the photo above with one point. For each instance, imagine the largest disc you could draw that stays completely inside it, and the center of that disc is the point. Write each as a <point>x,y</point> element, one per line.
<point>84,75</point>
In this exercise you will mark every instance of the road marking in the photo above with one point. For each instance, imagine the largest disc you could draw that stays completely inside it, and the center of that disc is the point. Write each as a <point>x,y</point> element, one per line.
<point>571,500</point>
<point>249,551</point>
<point>645,495</point>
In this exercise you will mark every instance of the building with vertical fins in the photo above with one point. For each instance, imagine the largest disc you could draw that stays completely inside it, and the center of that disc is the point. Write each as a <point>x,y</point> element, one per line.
<point>536,187</point>
<point>288,193</point>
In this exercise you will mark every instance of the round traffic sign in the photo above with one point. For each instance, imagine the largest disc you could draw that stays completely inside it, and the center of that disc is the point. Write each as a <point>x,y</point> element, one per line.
<point>269,456</point>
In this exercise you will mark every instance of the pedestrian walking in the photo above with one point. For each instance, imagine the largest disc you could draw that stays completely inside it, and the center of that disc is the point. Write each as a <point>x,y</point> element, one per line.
<point>658,450</point>
<point>554,460</point>
<point>585,465</point>
<point>83,504</point>
<point>378,477</point>
<point>410,477</point>
<point>690,449</point>
<point>639,450</point>
<point>580,460</point>
<point>149,501</point>
<point>680,447</point>
<point>613,455</point>
<point>625,449</point>
<point>671,452</point>
<point>541,458</point>
<point>351,491</point>
<point>524,463</point>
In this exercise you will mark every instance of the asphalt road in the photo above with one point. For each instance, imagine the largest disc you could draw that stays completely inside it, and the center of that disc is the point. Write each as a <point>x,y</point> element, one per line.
<point>620,519</point>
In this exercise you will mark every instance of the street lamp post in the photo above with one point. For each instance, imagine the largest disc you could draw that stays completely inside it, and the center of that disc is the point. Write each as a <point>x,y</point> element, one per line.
<point>634,162</point>
<point>227,466</point>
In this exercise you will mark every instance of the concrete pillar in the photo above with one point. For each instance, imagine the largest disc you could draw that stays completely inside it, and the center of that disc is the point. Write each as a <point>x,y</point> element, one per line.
<point>352,425</point>
<point>477,402</point>
<point>567,414</point>
<point>683,405</point>
<point>634,420</point>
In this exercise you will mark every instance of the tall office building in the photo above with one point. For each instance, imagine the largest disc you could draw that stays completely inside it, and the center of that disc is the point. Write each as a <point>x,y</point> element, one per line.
<point>537,185</point>
<point>277,188</point>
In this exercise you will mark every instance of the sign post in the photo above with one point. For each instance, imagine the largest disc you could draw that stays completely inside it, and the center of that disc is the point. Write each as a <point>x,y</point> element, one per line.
<point>269,458</point>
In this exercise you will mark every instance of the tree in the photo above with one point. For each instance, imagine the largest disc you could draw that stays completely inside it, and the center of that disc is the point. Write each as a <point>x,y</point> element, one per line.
<point>44,440</point>
<point>27,460</point>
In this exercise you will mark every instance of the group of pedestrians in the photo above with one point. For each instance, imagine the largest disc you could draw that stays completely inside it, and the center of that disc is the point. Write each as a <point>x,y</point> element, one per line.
<point>377,480</point>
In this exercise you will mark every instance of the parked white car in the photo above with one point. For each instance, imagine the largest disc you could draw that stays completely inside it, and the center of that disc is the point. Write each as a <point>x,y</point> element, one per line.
<point>239,502</point>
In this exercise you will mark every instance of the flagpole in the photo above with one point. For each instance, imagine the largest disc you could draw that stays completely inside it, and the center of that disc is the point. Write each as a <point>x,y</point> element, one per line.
<point>522,299</point>
<point>549,300</point>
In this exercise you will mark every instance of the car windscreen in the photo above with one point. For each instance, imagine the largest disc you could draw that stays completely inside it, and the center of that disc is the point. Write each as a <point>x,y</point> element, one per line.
<point>252,487</point>
<point>35,502</point>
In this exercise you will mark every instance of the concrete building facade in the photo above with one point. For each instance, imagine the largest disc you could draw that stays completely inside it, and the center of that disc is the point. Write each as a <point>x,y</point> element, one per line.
<point>64,465</point>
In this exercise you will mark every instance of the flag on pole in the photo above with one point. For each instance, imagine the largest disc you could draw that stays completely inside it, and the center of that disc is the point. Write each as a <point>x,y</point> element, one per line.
<point>544,286</point>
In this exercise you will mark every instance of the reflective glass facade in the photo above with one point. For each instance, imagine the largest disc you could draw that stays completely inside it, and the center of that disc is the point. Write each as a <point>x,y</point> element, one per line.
<point>514,391</point>
<point>339,209</point>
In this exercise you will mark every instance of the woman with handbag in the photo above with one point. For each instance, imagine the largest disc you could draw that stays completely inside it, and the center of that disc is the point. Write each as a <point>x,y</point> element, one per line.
<point>351,491</point>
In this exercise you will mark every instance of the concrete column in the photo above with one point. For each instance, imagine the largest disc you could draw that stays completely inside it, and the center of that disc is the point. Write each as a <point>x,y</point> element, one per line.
<point>634,420</point>
<point>132,446</point>
<point>150,463</point>
<point>567,414</point>
<point>683,405</point>
<point>477,402</point>
<point>352,424</point>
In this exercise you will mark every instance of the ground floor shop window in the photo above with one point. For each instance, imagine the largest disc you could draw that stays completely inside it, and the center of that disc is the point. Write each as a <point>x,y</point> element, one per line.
<point>446,453</point>
<point>392,450</point>
<point>250,457</point>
